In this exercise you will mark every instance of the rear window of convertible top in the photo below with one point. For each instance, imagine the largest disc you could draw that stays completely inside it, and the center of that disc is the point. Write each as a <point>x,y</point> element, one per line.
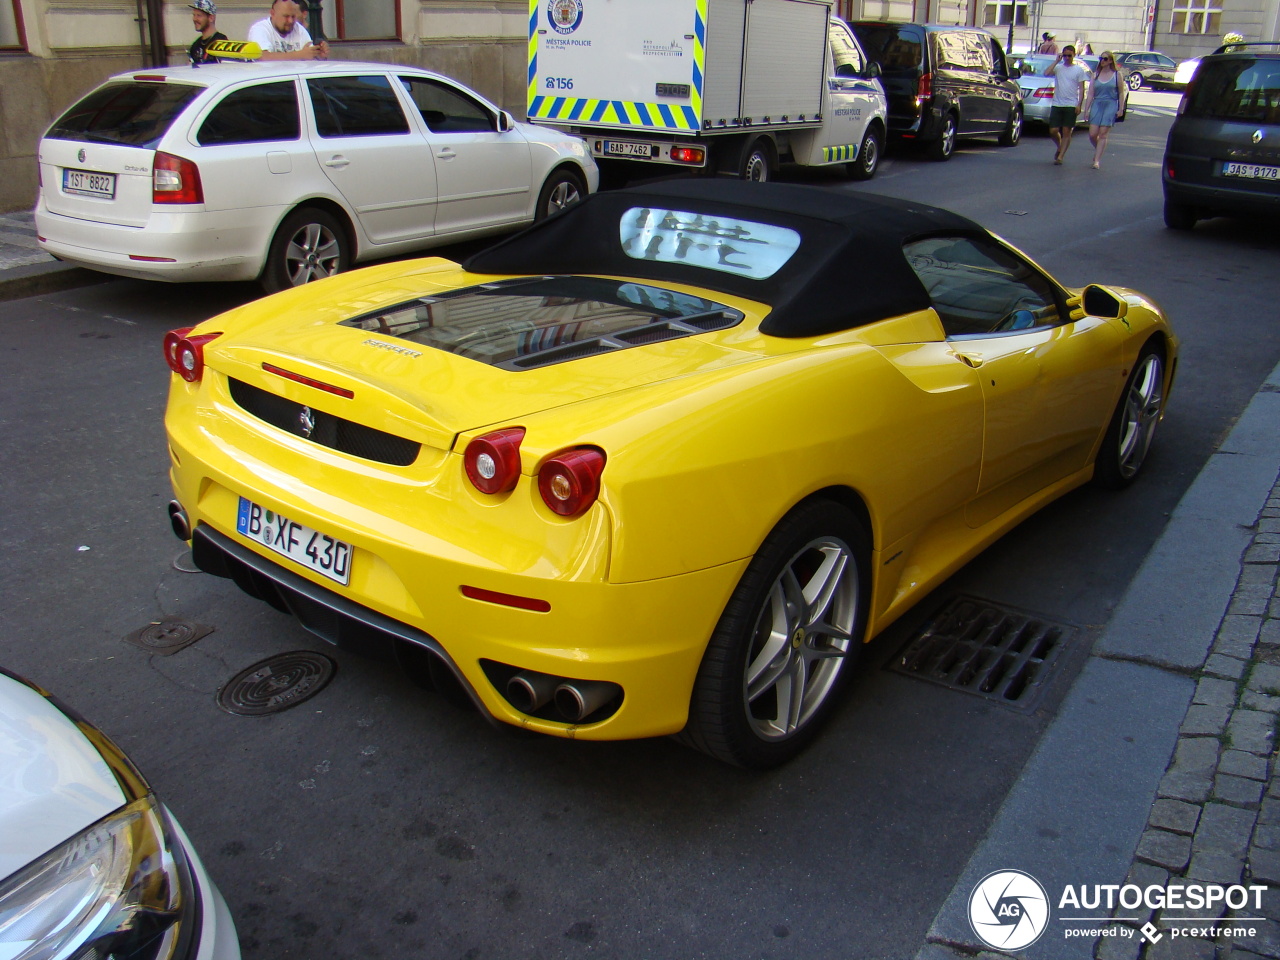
<point>536,321</point>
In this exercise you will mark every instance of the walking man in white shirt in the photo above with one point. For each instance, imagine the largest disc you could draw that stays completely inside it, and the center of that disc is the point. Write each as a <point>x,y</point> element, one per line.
<point>1068,91</point>
<point>282,37</point>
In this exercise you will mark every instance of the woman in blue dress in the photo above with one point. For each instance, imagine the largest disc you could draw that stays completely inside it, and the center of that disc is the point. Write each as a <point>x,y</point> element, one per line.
<point>1105,100</point>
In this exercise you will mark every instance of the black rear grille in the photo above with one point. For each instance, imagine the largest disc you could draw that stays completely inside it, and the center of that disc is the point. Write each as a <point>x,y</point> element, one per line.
<point>324,428</point>
<point>986,649</point>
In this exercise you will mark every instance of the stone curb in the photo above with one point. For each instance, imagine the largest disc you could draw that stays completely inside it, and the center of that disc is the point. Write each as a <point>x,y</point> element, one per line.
<point>33,280</point>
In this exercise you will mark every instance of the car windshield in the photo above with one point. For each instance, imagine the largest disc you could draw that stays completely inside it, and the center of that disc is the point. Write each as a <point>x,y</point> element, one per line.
<point>136,114</point>
<point>518,324</point>
<point>1237,89</point>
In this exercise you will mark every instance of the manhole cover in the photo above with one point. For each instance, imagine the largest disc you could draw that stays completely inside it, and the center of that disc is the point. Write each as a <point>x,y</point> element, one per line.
<point>168,635</point>
<point>276,683</point>
<point>185,563</point>
<point>986,649</point>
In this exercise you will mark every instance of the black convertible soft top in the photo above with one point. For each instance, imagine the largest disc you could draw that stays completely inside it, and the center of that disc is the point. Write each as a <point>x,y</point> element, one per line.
<point>849,269</point>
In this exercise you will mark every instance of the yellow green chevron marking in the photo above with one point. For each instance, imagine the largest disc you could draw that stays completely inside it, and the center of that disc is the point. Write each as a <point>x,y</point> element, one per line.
<point>838,154</point>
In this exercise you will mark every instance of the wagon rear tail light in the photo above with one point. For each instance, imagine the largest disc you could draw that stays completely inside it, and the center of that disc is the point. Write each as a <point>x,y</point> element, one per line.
<point>924,88</point>
<point>175,180</point>
<point>570,481</point>
<point>185,354</point>
<point>492,462</point>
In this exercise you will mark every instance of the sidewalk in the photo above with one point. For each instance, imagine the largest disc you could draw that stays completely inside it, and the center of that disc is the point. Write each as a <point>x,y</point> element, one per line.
<point>1159,771</point>
<point>26,270</point>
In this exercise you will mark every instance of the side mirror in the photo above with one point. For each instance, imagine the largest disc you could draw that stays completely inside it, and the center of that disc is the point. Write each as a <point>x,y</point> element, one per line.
<point>873,70</point>
<point>1101,302</point>
<point>1015,72</point>
<point>505,122</point>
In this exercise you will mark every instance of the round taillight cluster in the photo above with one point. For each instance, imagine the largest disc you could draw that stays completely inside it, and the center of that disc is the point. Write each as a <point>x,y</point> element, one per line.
<point>493,461</point>
<point>569,482</point>
<point>185,354</point>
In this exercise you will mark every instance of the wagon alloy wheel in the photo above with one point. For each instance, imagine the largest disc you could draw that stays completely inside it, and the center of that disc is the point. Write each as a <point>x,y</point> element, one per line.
<point>563,189</point>
<point>311,254</point>
<point>802,635</point>
<point>786,642</point>
<point>310,245</point>
<point>1133,427</point>
<point>1134,81</point>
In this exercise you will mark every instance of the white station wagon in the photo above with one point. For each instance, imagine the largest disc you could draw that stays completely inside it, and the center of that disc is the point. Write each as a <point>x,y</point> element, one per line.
<point>289,171</point>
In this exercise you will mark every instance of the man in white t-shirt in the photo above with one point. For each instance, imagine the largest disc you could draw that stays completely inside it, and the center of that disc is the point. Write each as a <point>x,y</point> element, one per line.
<point>282,37</point>
<point>1069,79</point>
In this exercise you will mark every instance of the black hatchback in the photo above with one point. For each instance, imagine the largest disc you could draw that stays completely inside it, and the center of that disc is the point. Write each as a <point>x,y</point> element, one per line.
<point>1223,152</point>
<point>943,83</point>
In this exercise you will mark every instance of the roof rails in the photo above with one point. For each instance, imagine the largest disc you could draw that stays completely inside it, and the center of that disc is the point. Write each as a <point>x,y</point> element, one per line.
<point>1239,47</point>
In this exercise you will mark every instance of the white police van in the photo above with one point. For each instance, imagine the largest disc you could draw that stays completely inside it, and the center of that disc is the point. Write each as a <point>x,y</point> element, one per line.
<point>725,86</point>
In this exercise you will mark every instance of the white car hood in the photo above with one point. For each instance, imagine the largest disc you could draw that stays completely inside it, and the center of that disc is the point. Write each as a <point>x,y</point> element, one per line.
<point>53,781</point>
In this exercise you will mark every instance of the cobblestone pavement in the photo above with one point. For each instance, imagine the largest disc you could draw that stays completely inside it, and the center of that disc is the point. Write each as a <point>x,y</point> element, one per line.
<point>18,244</point>
<point>1216,816</point>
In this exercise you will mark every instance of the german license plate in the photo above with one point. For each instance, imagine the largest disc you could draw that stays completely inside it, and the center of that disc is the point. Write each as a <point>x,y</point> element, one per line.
<point>310,548</point>
<point>1251,171</point>
<point>86,183</point>
<point>626,148</point>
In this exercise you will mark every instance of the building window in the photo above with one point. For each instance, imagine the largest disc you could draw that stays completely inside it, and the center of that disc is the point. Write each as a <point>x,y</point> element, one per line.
<point>360,19</point>
<point>1195,16</point>
<point>10,25</point>
<point>1000,13</point>
<point>902,10</point>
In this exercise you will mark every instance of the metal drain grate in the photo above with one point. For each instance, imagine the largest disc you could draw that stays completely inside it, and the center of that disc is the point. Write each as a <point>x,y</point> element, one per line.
<point>983,648</point>
<point>168,635</point>
<point>276,683</point>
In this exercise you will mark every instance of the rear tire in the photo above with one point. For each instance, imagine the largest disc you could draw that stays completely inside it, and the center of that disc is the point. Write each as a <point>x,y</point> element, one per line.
<point>310,245</point>
<point>758,163</point>
<point>1134,81</point>
<point>1179,216</point>
<point>787,641</point>
<point>869,153</point>
<point>944,145</point>
<point>1013,130</point>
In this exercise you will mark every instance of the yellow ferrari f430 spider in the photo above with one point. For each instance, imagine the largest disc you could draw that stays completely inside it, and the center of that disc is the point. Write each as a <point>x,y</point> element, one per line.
<point>662,463</point>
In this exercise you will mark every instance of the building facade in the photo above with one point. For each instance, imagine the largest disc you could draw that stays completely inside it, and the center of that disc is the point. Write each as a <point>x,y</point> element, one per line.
<point>52,51</point>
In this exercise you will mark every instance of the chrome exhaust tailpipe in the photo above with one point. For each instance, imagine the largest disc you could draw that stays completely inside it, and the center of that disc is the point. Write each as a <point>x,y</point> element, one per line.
<point>178,520</point>
<point>528,691</point>
<point>578,699</point>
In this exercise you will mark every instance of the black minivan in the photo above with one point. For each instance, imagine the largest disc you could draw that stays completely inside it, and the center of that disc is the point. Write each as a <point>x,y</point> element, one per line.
<point>943,82</point>
<point>1223,151</point>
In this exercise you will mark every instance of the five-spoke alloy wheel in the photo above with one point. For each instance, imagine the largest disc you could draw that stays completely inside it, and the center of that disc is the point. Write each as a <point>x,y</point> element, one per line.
<point>786,642</point>
<point>310,245</point>
<point>1133,426</point>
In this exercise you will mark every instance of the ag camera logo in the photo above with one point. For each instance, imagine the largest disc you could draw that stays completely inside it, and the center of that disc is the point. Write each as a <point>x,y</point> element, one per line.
<point>1008,910</point>
<point>564,15</point>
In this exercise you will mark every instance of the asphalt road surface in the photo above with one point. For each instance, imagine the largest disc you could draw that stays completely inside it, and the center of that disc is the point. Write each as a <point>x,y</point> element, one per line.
<point>376,820</point>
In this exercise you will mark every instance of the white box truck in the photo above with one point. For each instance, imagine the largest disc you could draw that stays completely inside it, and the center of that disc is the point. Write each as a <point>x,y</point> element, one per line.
<point>730,87</point>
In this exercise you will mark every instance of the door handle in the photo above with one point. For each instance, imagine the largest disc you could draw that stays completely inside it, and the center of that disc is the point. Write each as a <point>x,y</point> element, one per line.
<point>338,161</point>
<point>446,154</point>
<point>969,359</point>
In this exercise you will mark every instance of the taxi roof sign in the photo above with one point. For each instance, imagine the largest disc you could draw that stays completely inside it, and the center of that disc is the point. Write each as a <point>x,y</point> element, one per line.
<point>234,50</point>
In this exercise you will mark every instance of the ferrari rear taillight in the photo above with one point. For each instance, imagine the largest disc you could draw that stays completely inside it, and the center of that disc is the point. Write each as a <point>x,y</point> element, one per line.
<point>492,462</point>
<point>185,354</point>
<point>570,481</point>
<point>924,88</point>
<point>175,180</point>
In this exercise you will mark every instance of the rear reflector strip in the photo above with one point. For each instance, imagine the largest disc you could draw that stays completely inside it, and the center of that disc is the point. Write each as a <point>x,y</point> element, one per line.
<point>308,381</point>
<point>134,256</point>
<point>506,599</point>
